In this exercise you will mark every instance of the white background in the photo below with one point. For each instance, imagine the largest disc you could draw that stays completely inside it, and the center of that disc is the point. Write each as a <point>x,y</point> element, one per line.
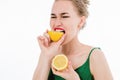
<point>21,21</point>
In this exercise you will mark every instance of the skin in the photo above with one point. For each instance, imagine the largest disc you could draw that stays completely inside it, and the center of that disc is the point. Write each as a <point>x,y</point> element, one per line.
<point>65,15</point>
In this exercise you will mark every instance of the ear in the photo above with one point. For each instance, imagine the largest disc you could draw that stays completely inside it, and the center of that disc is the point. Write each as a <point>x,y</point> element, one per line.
<point>82,22</point>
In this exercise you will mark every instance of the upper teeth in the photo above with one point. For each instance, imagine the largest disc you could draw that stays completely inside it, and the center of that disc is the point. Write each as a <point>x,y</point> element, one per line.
<point>59,30</point>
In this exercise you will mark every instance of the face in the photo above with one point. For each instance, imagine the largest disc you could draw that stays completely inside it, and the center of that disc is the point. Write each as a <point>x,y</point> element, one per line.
<point>64,16</point>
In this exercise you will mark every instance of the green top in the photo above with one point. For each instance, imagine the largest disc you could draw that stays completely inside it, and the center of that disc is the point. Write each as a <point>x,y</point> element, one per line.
<point>83,71</point>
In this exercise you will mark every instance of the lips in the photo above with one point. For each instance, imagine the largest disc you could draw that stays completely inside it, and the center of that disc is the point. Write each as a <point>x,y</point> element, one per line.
<point>59,29</point>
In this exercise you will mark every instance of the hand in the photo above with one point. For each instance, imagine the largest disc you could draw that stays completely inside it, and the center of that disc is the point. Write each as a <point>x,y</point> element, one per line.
<point>67,74</point>
<point>48,48</point>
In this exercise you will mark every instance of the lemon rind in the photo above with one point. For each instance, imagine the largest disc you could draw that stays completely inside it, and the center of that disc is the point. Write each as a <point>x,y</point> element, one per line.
<point>62,68</point>
<point>55,33</point>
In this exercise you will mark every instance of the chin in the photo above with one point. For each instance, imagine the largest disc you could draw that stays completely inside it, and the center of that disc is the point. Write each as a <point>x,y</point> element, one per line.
<point>65,42</point>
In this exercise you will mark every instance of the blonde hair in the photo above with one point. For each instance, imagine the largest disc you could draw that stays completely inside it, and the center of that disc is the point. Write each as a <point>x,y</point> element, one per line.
<point>81,6</point>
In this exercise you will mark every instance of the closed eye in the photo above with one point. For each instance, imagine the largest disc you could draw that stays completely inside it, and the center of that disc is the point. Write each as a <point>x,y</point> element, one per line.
<point>65,16</point>
<point>53,17</point>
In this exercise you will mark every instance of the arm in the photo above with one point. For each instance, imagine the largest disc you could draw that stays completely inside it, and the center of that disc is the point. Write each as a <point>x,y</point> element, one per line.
<point>99,66</point>
<point>43,68</point>
<point>48,51</point>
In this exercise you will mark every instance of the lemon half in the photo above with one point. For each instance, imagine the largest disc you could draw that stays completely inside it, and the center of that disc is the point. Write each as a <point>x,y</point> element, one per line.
<point>60,62</point>
<point>55,35</point>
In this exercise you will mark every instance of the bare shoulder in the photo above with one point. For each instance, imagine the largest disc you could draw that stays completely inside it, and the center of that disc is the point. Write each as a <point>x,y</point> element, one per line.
<point>97,55</point>
<point>97,59</point>
<point>99,66</point>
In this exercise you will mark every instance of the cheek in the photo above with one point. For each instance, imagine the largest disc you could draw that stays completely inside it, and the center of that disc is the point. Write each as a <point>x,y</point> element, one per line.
<point>73,26</point>
<point>51,23</point>
<point>73,29</point>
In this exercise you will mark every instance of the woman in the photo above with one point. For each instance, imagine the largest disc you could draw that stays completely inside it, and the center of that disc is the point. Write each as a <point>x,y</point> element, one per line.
<point>85,62</point>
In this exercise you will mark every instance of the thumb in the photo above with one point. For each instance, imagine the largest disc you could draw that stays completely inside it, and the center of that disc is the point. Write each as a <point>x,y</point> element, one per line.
<point>70,66</point>
<point>61,40</point>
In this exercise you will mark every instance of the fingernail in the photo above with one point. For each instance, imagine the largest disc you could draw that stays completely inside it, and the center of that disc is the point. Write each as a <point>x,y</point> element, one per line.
<point>47,30</point>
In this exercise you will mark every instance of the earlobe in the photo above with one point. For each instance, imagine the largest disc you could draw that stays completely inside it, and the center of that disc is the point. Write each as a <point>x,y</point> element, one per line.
<point>82,22</point>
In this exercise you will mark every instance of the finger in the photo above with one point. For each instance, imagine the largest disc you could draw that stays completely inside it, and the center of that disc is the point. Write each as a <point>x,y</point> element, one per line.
<point>70,65</point>
<point>58,44</point>
<point>43,41</point>
<point>47,36</point>
<point>47,39</point>
<point>40,41</point>
<point>61,40</point>
<point>47,31</point>
<point>53,70</point>
<point>56,72</point>
<point>46,42</point>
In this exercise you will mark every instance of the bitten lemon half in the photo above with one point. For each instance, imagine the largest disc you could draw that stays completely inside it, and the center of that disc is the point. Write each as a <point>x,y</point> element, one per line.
<point>55,35</point>
<point>60,62</point>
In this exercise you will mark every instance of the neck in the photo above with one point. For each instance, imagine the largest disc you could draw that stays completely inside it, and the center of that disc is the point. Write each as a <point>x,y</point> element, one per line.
<point>72,47</point>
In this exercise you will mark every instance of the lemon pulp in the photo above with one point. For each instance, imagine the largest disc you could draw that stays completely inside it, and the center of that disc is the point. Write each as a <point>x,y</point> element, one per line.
<point>60,62</point>
<point>55,35</point>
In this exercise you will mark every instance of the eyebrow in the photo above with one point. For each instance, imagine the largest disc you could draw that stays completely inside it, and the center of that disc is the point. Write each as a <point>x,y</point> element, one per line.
<point>52,14</point>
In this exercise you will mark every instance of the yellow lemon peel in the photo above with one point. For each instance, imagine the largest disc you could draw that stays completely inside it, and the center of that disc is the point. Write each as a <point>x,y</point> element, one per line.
<point>55,35</point>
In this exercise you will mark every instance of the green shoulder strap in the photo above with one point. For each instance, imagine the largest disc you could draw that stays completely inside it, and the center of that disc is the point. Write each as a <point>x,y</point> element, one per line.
<point>92,51</point>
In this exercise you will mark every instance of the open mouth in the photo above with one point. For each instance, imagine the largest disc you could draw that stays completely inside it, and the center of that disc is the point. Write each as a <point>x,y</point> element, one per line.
<point>59,30</point>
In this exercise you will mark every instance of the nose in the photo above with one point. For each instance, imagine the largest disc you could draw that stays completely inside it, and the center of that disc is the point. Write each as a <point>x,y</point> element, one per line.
<point>58,23</point>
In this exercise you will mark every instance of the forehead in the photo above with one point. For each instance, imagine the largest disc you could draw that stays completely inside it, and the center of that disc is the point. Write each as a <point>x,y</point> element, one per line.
<point>63,6</point>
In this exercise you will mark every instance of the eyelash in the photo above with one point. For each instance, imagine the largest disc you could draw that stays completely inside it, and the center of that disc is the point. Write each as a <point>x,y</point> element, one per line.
<point>65,16</point>
<point>62,17</point>
<point>53,17</point>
